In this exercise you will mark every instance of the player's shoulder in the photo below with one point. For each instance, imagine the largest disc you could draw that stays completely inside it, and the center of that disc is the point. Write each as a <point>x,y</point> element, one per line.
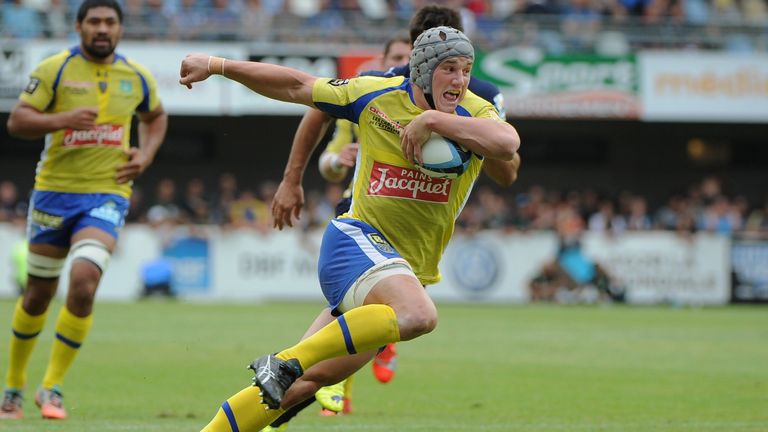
<point>474,103</point>
<point>55,61</point>
<point>484,89</point>
<point>133,64</point>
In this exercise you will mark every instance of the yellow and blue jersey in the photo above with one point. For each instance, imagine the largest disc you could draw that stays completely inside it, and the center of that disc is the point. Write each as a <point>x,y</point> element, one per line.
<point>415,212</point>
<point>66,81</point>
<point>345,132</point>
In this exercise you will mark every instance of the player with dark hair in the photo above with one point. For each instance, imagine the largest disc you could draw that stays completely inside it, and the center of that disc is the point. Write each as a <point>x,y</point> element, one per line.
<point>83,100</point>
<point>375,259</point>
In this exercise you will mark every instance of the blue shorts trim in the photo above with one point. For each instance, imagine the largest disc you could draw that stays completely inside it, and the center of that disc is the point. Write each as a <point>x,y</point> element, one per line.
<point>54,217</point>
<point>349,248</point>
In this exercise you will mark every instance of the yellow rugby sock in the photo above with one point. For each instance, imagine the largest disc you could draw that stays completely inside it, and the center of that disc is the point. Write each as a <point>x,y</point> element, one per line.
<point>243,412</point>
<point>71,331</point>
<point>361,329</point>
<point>25,328</point>
<point>348,386</point>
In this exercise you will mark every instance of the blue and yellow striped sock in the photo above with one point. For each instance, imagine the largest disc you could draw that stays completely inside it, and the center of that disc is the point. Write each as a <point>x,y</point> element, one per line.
<point>25,328</point>
<point>71,331</point>
<point>243,412</point>
<point>361,329</point>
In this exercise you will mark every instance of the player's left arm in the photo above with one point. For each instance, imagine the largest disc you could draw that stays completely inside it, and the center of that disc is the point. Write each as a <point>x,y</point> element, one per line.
<point>502,172</point>
<point>152,128</point>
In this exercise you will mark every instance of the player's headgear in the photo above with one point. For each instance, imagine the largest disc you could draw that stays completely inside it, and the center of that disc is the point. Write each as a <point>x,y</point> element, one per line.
<point>431,48</point>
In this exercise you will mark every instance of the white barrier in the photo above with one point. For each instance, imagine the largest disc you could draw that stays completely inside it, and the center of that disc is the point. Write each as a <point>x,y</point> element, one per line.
<point>490,267</point>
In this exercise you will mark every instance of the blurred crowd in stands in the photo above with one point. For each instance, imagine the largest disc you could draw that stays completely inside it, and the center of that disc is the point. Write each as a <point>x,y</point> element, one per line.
<point>555,25</point>
<point>705,207</point>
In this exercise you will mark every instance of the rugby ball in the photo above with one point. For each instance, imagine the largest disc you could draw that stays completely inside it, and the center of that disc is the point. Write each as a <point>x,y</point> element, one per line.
<point>443,158</point>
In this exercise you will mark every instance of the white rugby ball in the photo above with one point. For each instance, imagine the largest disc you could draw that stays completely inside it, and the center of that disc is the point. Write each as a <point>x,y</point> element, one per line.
<point>443,158</point>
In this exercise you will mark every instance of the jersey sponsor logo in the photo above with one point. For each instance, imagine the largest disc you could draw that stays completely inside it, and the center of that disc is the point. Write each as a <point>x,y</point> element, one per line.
<point>382,121</point>
<point>32,85</point>
<point>46,219</point>
<point>77,84</point>
<point>391,181</point>
<point>105,134</point>
<point>380,243</point>
<point>338,82</point>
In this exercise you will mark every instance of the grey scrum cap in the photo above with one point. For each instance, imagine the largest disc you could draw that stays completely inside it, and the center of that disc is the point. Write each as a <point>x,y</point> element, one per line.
<point>431,48</point>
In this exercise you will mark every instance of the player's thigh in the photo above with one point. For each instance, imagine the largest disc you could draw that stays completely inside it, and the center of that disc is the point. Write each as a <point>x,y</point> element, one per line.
<point>323,319</point>
<point>404,294</point>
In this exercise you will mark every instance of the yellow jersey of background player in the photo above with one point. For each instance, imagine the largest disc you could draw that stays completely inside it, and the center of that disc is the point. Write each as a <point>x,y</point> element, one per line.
<point>67,81</point>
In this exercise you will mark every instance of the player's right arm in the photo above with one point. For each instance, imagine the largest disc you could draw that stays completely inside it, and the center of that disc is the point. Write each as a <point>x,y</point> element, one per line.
<point>289,198</point>
<point>28,122</point>
<point>273,81</point>
<point>29,119</point>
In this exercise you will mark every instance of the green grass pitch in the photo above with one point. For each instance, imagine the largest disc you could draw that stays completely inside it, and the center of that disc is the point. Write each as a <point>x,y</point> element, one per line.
<point>167,366</point>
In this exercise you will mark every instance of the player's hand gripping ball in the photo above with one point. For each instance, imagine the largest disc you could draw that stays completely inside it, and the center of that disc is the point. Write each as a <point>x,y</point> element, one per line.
<point>443,158</point>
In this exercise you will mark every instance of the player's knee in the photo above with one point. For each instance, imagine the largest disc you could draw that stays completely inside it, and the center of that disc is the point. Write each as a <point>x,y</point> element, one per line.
<point>83,279</point>
<point>417,321</point>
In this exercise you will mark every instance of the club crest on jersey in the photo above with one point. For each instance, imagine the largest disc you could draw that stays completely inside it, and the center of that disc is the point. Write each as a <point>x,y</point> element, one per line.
<point>103,86</point>
<point>32,85</point>
<point>398,182</point>
<point>380,243</point>
<point>338,82</point>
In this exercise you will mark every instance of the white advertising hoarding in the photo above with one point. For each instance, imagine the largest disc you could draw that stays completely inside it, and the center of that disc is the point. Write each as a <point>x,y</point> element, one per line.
<point>703,87</point>
<point>663,267</point>
<point>489,267</point>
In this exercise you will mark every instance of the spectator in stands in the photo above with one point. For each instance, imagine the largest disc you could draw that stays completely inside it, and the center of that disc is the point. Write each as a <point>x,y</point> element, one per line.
<point>256,21</point>
<point>165,208</point>
<point>194,205</point>
<point>225,196</point>
<point>188,21</point>
<point>493,209</point>
<point>12,208</point>
<point>158,23</point>
<point>606,220</point>
<point>720,217</point>
<point>135,20</point>
<point>57,22</point>
<point>223,22</point>
<point>580,24</point>
<point>758,219</point>
<point>250,212</point>
<point>20,21</point>
<point>637,217</point>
